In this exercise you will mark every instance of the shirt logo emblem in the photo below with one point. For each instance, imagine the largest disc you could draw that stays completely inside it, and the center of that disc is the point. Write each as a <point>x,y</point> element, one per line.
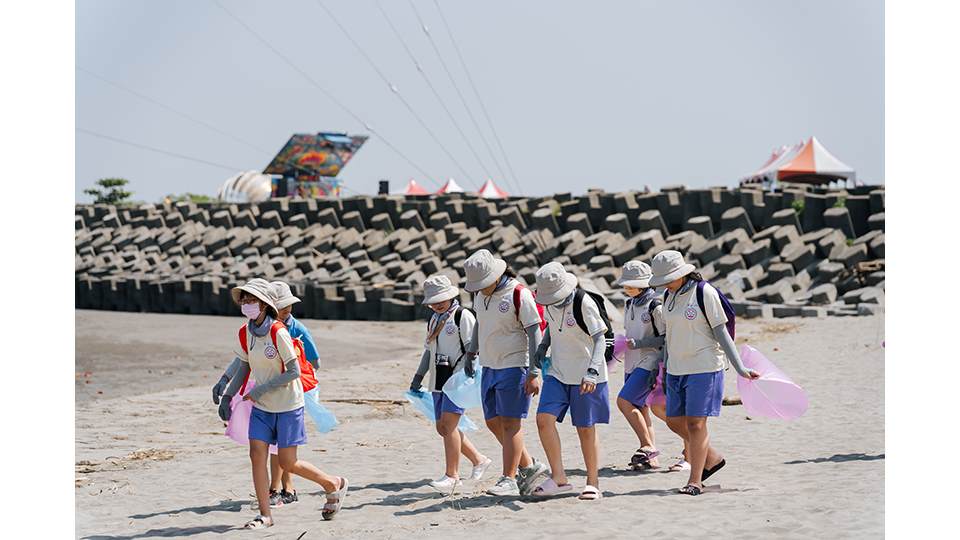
<point>690,313</point>
<point>270,351</point>
<point>645,317</point>
<point>504,306</point>
<point>451,329</point>
<point>571,320</point>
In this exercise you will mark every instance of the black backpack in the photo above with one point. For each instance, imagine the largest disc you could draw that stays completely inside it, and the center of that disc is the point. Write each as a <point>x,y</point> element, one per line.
<point>608,337</point>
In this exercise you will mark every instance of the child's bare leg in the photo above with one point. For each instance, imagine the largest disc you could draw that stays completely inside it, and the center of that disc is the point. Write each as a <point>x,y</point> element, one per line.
<point>550,440</point>
<point>660,411</point>
<point>648,420</point>
<point>468,450</point>
<point>495,425</point>
<point>447,428</point>
<point>637,422</point>
<point>259,450</point>
<point>275,473</point>
<point>590,445</point>
<point>289,462</point>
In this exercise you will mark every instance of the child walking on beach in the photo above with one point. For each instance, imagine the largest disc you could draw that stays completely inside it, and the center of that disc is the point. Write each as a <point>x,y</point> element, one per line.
<point>449,333</point>
<point>267,353</point>
<point>506,335</point>
<point>643,327</point>
<point>697,341</point>
<point>576,379</point>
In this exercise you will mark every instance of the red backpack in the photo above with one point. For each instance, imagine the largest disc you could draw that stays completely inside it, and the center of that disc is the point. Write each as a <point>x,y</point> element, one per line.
<point>516,305</point>
<point>308,378</point>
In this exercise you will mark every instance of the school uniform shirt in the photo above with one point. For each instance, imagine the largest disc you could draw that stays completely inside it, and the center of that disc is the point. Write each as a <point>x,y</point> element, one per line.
<point>638,324</point>
<point>503,341</point>
<point>265,361</point>
<point>448,343</point>
<point>691,346</point>
<point>571,349</point>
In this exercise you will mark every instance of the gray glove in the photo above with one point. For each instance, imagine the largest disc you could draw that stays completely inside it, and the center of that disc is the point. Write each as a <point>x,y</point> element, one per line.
<point>219,388</point>
<point>470,364</point>
<point>224,410</point>
<point>416,383</point>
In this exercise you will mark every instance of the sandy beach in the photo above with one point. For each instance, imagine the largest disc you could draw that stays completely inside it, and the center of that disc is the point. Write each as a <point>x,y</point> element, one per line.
<point>152,460</point>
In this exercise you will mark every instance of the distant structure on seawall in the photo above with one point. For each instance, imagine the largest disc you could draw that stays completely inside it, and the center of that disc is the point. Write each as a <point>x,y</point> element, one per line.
<point>307,166</point>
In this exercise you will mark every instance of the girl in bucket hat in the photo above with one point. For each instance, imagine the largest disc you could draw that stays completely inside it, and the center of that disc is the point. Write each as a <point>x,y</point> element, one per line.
<point>643,328</point>
<point>281,483</point>
<point>576,379</point>
<point>267,353</point>
<point>507,333</point>
<point>697,342</point>
<point>449,333</point>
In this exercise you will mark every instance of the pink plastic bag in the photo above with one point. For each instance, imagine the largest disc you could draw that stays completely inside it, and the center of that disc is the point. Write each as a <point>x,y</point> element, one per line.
<point>773,395</point>
<point>238,427</point>
<point>619,346</point>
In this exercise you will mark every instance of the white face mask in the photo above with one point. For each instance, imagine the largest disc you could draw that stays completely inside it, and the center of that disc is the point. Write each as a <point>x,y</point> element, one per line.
<point>252,311</point>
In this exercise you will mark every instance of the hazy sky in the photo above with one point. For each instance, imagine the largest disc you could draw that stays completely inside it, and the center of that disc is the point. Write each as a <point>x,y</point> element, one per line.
<point>611,94</point>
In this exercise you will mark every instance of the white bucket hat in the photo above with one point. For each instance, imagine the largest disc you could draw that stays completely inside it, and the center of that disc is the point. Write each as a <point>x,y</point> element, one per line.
<point>668,266</point>
<point>438,288</point>
<point>282,295</point>
<point>635,274</point>
<point>258,287</point>
<point>554,284</point>
<point>483,270</point>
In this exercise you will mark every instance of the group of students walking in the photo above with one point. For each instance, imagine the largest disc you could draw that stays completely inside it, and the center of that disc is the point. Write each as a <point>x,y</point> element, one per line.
<point>555,343</point>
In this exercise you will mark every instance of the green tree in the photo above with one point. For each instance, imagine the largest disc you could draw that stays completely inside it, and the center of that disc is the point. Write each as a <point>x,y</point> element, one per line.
<point>192,197</point>
<point>110,191</point>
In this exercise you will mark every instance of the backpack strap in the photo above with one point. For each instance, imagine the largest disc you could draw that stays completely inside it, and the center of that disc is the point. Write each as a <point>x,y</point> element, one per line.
<point>578,309</point>
<point>456,320</point>
<point>654,304</point>
<point>703,310</point>
<point>243,338</point>
<point>274,328</point>
<point>516,299</point>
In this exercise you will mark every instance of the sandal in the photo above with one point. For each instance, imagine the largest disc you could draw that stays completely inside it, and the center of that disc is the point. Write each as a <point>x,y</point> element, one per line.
<point>641,459</point>
<point>691,489</point>
<point>590,493</point>
<point>707,473</point>
<point>680,465</point>
<point>549,488</point>
<point>259,522</point>
<point>335,501</point>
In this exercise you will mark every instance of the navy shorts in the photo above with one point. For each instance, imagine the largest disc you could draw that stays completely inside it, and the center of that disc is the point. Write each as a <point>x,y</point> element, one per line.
<point>637,387</point>
<point>442,404</point>
<point>282,429</point>
<point>697,394</point>
<point>585,409</point>
<point>503,392</point>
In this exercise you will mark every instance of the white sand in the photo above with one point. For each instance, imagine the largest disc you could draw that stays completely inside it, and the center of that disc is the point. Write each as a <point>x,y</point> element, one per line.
<point>821,476</point>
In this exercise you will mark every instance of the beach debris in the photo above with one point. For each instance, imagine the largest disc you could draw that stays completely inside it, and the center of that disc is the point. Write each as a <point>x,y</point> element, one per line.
<point>733,400</point>
<point>152,454</point>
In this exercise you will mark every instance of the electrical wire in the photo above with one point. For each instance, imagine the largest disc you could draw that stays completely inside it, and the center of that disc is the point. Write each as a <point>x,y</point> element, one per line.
<point>158,150</point>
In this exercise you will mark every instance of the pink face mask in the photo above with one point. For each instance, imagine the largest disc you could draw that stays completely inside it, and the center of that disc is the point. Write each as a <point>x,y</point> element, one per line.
<point>252,311</point>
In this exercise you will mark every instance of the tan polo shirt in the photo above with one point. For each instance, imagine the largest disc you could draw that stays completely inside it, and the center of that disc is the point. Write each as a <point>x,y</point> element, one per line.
<point>691,347</point>
<point>503,341</point>
<point>265,361</point>
<point>570,347</point>
<point>638,324</point>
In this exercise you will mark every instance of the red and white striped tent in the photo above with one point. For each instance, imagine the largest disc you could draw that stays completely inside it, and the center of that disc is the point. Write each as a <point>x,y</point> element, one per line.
<point>413,188</point>
<point>450,187</point>
<point>489,190</point>
<point>808,162</point>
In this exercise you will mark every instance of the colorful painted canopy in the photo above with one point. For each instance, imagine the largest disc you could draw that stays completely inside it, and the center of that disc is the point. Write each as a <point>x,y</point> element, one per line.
<point>489,190</point>
<point>321,154</point>
<point>807,162</point>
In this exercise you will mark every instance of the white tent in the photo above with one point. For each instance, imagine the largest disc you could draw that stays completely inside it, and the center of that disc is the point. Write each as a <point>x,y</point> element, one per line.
<point>450,187</point>
<point>489,190</point>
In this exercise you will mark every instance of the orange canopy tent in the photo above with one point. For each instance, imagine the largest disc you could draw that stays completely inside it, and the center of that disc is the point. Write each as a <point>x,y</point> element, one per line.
<point>413,188</point>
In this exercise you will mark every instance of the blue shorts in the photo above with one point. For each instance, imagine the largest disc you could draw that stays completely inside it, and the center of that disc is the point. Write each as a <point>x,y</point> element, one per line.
<point>282,429</point>
<point>585,410</point>
<point>442,404</point>
<point>698,394</point>
<point>503,392</point>
<point>637,387</point>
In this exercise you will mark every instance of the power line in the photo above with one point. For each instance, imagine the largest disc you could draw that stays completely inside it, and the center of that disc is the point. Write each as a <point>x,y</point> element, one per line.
<point>322,90</point>
<point>476,92</point>
<point>158,150</point>
<point>174,111</point>
<point>436,94</point>
<point>456,87</point>
<point>396,91</point>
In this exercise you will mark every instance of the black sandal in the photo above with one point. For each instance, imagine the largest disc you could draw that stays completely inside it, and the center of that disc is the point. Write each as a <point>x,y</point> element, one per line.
<point>691,489</point>
<point>707,473</point>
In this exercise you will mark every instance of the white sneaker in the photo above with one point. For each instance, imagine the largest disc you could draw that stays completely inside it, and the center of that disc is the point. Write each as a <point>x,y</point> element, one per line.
<point>530,477</point>
<point>445,484</point>
<point>480,468</point>
<point>505,487</point>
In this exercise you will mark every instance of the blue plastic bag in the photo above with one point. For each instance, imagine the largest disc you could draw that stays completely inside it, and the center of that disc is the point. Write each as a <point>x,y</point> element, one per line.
<point>322,417</point>
<point>463,390</point>
<point>423,402</point>
<point>545,365</point>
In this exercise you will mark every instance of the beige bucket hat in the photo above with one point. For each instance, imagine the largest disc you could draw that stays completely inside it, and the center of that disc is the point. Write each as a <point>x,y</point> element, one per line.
<point>282,295</point>
<point>668,266</point>
<point>635,274</point>
<point>554,283</point>
<point>483,270</point>
<point>438,288</point>
<point>258,287</point>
